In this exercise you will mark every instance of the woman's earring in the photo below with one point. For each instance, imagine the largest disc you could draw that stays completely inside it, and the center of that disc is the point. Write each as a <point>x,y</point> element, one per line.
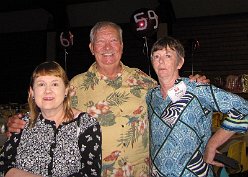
<point>65,96</point>
<point>33,97</point>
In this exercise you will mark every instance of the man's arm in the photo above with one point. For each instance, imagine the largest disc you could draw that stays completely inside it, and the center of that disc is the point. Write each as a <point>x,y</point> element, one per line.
<point>15,124</point>
<point>219,138</point>
<point>14,172</point>
<point>199,78</point>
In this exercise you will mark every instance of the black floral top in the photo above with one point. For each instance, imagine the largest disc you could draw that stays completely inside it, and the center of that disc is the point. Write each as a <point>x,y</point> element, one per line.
<point>72,149</point>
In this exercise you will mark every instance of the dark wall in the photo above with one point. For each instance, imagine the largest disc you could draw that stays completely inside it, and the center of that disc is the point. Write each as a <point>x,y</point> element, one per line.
<point>22,52</point>
<point>19,53</point>
<point>78,57</point>
<point>223,44</point>
<point>223,50</point>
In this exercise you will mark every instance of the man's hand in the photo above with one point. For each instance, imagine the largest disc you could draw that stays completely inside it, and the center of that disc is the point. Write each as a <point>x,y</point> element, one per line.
<point>15,124</point>
<point>199,78</point>
<point>15,172</point>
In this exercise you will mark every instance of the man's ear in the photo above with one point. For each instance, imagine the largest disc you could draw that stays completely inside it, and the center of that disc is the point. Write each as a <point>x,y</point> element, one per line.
<point>91,48</point>
<point>122,47</point>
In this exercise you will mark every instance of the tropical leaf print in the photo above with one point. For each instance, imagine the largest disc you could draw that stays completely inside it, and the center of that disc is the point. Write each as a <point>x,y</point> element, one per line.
<point>89,104</point>
<point>117,98</point>
<point>145,138</point>
<point>144,80</point>
<point>74,101</point>
<point>117,83</point>
<point>106,119</point>
<point>90,81</point>
<point>122,161</point>
<point>138,83</point>
<point>148,82</point>
<point>136,90</point>
<point>128,138</point>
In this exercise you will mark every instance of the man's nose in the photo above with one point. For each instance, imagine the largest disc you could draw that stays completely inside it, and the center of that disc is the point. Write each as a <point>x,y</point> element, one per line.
<point>107,45</point>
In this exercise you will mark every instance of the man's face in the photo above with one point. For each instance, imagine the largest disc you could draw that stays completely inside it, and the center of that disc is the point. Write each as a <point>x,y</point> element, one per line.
<point>107,47</point>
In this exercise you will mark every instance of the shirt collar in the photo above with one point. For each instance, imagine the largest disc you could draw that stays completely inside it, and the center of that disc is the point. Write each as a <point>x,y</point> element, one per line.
<point>93,69</point>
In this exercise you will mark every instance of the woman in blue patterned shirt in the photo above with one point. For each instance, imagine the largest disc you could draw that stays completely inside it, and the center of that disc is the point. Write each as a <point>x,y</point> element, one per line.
<point>57,139</point>
<point>180,115</point>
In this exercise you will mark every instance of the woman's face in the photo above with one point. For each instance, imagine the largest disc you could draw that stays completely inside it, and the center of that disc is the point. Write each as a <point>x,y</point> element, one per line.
<point>49,92</point>
<point>166,63</point>
<point>107,47</point>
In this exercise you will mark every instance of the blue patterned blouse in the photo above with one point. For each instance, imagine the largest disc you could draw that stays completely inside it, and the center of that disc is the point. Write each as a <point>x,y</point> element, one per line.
<point>179,131</point>
<point>73,149</point>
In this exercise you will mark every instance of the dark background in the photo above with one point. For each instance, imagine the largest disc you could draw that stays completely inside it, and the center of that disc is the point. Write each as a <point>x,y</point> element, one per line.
<point>220,27</point>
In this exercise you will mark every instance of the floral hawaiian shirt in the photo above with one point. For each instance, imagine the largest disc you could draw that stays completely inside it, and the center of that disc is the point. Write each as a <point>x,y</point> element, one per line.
<point>120,107</point>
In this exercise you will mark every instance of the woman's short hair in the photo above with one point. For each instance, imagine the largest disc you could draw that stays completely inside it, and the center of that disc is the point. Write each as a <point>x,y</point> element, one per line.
<point>170,42</point>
